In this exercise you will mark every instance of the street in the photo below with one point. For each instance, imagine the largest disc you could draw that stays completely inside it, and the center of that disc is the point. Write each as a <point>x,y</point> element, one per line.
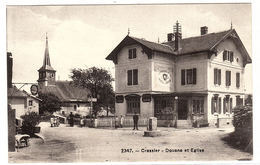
<point>66,144</point>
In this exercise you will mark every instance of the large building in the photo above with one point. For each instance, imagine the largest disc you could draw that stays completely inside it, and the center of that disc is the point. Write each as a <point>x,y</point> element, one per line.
<point>184,81</point>
<point>73,99</point>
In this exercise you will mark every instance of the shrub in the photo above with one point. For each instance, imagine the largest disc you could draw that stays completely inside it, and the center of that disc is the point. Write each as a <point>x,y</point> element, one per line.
<point>243,122</point>
<point>30,120</point>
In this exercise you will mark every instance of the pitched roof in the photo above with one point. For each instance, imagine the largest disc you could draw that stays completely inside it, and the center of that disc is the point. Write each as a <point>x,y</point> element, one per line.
<point>196,44</point>
<point>67,92</point>
<point>199,43</point>
<point>129,40</point>
<point>15,92</point>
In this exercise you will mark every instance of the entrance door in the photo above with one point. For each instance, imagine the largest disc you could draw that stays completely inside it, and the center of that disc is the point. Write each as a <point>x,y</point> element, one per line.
<point>182,109</point>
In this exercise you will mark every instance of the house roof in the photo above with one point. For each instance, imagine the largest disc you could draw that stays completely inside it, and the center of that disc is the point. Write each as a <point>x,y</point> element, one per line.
<point>15,92</point>
<point>129,40</point>
<point>207,42</point>
<point>67,92</point>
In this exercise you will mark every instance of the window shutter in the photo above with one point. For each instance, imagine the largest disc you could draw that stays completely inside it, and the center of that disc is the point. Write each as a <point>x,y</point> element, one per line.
<point>219,77</point>
<point>229,80</point>
<point>194,75</point>
<point>183,77</point>
<point>224,55</point>
<point>130,54</point>
<point>237,80</point>
<point>224,105</point>
<point>219,106</point>
<point>134,53</point>
<point>230,104</point>
<point>129,77</point>
<point>226,78</point>
<point>215,76</point>
<point>231,56</point>
<point>212,105</point>
<point>135,77</point>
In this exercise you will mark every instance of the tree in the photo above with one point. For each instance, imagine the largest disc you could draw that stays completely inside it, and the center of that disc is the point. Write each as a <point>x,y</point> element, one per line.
<point>50,103</point>
<point>30,120</point>
<point>99,82</point>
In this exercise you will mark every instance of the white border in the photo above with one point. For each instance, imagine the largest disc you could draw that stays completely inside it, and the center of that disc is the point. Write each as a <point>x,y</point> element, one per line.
<point>255,58</point>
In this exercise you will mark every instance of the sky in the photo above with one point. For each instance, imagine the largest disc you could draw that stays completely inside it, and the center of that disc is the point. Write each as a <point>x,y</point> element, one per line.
<point>82,36</point>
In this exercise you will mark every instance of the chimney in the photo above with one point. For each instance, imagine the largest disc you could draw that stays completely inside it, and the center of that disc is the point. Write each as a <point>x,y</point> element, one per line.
<point>204,30</point>
<point>170,37</point>
<point>177,35</point>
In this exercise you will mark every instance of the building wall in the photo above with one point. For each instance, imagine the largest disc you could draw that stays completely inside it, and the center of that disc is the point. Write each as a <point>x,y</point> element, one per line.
<point>234,67</point>
<point>198,61</point>
<point>18,103</point>
<point>82,108</point>
<point>162,64</point>
<point>34,107</point>
<point>141,62</point>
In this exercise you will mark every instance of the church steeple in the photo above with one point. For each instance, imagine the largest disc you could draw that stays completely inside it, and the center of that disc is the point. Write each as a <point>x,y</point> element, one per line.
<point>46,72</point>
<point>46,60</point>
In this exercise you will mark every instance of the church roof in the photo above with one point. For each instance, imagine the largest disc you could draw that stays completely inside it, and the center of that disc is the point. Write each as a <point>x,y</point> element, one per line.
<point>67,92</point>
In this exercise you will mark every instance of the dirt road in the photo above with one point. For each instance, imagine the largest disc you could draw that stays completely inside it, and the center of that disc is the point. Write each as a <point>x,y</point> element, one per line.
<point>65,144</point>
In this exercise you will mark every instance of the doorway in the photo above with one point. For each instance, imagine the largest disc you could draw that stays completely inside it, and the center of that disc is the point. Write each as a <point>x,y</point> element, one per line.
<point>182,109</point>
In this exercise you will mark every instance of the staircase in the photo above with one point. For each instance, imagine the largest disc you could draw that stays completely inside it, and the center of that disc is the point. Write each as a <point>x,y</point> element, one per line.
<point>184,124</point>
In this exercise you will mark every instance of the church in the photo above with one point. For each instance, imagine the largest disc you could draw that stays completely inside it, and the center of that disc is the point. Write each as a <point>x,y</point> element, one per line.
<point>73,99</point>
<point>184,82</point>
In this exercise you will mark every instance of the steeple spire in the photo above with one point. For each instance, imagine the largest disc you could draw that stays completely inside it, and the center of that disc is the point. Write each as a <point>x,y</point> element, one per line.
<point>46,60</point>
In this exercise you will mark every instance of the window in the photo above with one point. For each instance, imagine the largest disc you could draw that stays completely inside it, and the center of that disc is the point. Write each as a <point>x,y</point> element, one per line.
<point>215,105</point>
<point>198,106</point>
<point>239,101</point>
<point>163,108</point>
<point>190,76</point>
<point>132,53</point>
<point>237,80</point>
<point>75,107</point>
<point>132,77</point>
<point>228,78</point>
<point>30,103</point>
<point>228,56</point>
<point>217,76</point>
<point>133,105</point>
<point>227,105</point>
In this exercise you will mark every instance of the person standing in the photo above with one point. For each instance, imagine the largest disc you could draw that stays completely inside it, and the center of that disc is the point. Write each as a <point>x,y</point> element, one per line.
<point>121,121</point>
<point>71,119</point>
<point>135,118</point>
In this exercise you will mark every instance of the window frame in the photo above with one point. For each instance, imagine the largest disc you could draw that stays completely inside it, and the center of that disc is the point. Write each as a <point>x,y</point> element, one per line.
<point>132,53</point>
<point>189,76</point>
<point>132,77</point>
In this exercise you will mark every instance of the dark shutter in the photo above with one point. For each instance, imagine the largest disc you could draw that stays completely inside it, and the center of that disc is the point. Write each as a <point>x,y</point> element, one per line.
<point>194,75</point>
<point>229,81</point>
<point>215,75</point>
<point>219,105</point>
<point>183,77</point>
<point>130,54</point>
<point>237,80</point>
<point>224,105</point>
<point>135,77</point>
<point>212,105</point>
<point>129,77</point>
<point>224,55</point>
<point>134,53</point>
<point>230,106</point>
<point>231,56</point>
<point>219,76</point>
<point>226,78</point>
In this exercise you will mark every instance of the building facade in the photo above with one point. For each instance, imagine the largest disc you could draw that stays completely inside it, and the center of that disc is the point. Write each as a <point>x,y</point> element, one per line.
<point>73,99</point>
<point>184,81</point>
<point>22,102</point>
